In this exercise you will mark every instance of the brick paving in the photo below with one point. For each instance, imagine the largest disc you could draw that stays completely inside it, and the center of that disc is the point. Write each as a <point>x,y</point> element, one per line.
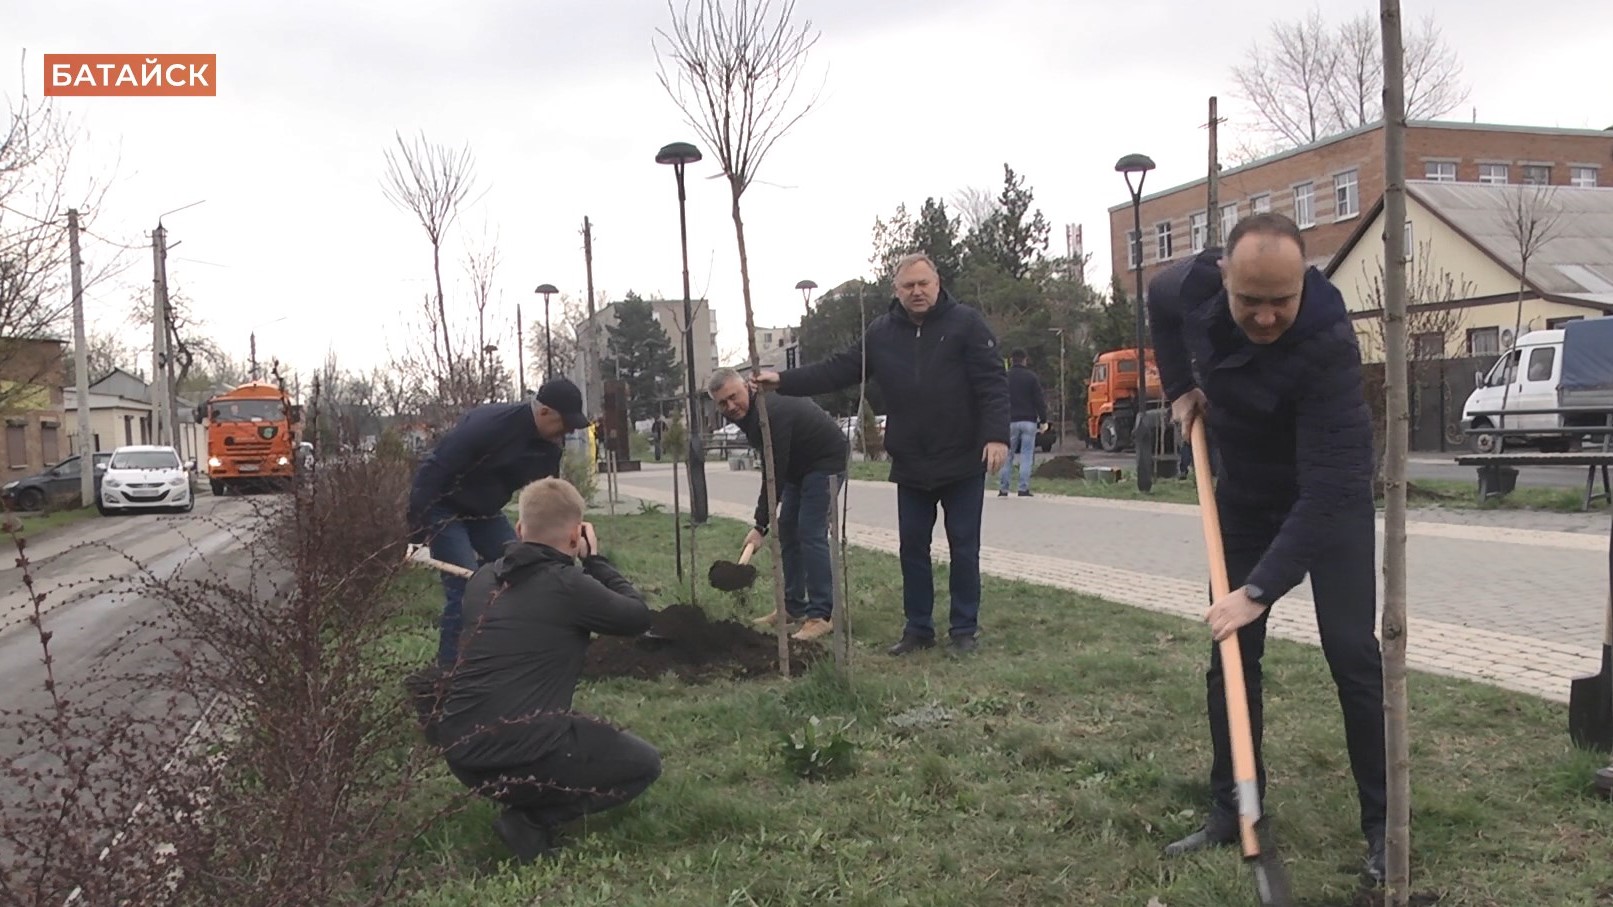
<point>1513,599</point>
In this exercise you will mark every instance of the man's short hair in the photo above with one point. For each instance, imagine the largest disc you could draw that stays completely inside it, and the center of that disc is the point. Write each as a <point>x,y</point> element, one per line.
<point>1266,223</point>
<point>549,507</point>
<point>719,378</point>
<point>910,259</point>
<point>1017,355</point>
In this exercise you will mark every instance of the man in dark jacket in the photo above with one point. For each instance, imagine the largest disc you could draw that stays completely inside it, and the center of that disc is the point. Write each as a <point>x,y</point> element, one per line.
<point>507,728</point>
<point>946,400</point>
<point>808,449</point>
<point>462,485</point>
<point>1027,413</point>
<point>1262,348</point>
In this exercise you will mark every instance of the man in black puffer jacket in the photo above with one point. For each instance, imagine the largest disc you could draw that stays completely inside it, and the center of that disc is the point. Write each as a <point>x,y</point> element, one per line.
<point>1262,348</point>
<point>946,397</point>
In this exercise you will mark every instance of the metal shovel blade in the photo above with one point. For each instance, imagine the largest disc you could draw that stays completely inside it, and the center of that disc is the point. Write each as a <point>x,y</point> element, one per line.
<point>731,577</point>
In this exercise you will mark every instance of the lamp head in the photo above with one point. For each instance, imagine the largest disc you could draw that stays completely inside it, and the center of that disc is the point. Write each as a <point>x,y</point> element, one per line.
<point>678,153</point>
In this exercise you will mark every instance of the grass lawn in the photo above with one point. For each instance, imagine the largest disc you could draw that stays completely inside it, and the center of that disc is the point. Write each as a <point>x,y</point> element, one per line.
<point>1049,769</point>
<point>34,524</point>
<point>1445,493</point>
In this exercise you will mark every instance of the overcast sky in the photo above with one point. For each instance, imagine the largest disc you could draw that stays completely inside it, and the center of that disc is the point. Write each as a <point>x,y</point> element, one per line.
<point>560,104</point>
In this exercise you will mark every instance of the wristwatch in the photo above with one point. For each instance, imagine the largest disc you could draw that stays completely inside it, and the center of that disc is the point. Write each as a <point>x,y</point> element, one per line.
<point>1258,595</point>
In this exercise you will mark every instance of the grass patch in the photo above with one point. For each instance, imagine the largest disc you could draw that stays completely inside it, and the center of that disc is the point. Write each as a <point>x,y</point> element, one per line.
<point>1049,769</point>
<point>37,524</point>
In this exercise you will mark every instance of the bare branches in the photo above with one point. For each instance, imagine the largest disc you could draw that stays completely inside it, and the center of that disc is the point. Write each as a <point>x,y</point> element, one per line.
<point>734,73</point>
<point>1312,80</point>
<point>1434,325</point>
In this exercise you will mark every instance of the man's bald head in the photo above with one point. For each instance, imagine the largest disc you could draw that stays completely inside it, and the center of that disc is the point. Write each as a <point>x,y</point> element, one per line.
<point>1263,269</point>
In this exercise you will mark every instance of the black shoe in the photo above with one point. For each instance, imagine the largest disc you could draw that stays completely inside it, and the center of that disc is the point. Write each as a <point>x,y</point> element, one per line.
<point>525,838</point>
<point>1002,494</point>
<point>965,645</point>
<point>1026,493</point>
<point>1219,830</point>
<point>1377,858</point>
<point>911,643</point>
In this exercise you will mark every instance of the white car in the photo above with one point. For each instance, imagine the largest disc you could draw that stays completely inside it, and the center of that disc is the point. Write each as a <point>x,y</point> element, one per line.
<point>145,477</point>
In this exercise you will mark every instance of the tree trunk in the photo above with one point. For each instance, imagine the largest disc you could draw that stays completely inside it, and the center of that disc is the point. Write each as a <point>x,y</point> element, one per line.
<point>442,311</point>
<point>1397,741</point>
<point>770,479</point>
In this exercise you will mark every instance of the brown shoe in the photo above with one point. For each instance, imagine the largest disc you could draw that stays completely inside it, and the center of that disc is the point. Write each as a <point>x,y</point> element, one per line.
<point>770,619</point>
<point>814,628</point>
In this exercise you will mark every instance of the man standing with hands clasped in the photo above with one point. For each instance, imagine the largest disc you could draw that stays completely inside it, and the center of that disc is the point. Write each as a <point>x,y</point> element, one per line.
<point>1261,347</point>
<point>946,400</point>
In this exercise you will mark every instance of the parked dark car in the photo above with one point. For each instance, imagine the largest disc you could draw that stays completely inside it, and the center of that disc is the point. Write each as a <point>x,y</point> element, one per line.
<point>53,488</point>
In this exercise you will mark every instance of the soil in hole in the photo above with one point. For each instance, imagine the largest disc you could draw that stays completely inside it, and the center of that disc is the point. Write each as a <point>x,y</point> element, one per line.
<point>695,648</point>
<point>1061,467</point>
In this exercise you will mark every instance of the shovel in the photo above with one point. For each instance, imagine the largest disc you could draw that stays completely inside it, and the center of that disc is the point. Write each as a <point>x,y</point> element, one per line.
<point>1590,698</point>
<point>731,577</point>
<point>1271,878</point>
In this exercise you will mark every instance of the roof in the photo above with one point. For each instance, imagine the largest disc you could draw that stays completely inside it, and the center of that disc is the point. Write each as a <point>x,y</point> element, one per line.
<point>1370,127</point>
<point>1573,264</point>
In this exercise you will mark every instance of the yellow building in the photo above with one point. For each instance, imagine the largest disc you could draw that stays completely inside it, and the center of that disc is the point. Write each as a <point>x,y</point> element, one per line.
<point>1465,265</point>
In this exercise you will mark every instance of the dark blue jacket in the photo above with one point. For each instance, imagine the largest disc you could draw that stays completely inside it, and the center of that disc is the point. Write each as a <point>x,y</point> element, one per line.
<point>805,440</point>
<point>946,393</point>
<point>1290,419</point>
<point>480,464</point>
<point>1026,403</point>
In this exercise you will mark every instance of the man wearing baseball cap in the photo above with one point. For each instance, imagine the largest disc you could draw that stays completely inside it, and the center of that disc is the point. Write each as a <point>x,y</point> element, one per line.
<point>456,504</point>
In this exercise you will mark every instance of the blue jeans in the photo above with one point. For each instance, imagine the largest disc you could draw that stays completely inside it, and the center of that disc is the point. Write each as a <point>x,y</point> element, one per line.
<point>963,502</point>
<point>1021,447</point>
<point>803,537</point>
<point>468,542</point>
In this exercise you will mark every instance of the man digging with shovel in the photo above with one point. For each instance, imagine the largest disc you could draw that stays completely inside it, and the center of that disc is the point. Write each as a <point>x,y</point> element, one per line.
<point>808,448</point>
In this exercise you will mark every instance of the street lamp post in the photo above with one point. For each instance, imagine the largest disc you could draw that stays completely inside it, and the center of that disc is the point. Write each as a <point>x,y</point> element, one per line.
<point>520,353</point>
<point>487,371</point>
<point>1139,164</point>
<point>547,290</point>
<point>806,287</point>
<point>679,155</point>
<point>1063,388</point>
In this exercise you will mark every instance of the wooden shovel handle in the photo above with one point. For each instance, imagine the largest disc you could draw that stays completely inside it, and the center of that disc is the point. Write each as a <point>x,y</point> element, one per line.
<point>444,566</point>
<point>745,556</point>
<point>1243,748</point>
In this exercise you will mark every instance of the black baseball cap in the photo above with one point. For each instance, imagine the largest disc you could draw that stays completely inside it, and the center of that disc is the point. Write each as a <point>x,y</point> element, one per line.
<point>563,397</point>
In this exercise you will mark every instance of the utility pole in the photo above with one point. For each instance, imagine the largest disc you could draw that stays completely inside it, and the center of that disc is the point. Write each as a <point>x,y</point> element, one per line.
<point>1212,217</point>
<point>520,351</point>
<point>1397,839</point>
<point>81,370</point>
<point>159,338</point>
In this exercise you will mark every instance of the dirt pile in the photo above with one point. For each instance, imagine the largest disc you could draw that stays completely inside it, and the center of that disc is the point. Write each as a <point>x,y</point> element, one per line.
<point>696,649</point>
<point>1061,467</point>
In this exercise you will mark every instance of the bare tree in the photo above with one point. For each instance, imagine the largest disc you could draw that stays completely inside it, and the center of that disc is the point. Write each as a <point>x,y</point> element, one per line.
<point>432,182</point>
<point>481,267</point>
<point>563,326</point>
<point>1312,79</point>
<point>104,352</point>
<point>975,206</point>
<point>734,73</point>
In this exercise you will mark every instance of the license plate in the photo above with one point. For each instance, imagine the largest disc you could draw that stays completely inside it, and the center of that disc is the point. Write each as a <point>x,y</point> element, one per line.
<point>248,467</point>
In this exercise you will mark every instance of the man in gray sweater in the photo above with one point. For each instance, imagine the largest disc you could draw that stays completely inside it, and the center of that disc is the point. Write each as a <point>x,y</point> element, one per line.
<point>808,448</point>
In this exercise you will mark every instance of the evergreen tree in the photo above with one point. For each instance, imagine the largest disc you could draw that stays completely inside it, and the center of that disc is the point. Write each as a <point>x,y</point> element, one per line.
<point>639,351</point>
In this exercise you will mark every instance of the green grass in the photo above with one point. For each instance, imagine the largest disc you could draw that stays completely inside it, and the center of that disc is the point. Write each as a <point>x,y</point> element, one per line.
<point>36,524</point>
<point>1448,494</point>
<point>1049,769</point>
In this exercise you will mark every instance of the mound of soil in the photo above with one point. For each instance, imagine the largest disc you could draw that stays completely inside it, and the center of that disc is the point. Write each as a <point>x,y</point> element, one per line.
<point>696,649</point>
<point>1062,467</point>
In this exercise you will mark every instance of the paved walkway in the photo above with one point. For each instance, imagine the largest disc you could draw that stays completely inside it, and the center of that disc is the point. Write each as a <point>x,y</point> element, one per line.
<point>1503,601</point>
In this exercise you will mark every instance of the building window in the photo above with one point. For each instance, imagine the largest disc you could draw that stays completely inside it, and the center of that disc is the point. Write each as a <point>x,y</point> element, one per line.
<point>1583,177</point>
<point>17,445</point>
<point>1197,225</point>
<point>1162,238</point>
<point>1440,171</point>
<point>1346,195</point>
<point>1305,205</point>
<point>1229,219</point>
<point>1537,174</point>
<point>1428,345</point>
<point>1493,174</point>
<point>50,449</point>
<point>1483,341</point>
<point>1133,250</point>
<point>1553,324</point>
<point>1260,204</point>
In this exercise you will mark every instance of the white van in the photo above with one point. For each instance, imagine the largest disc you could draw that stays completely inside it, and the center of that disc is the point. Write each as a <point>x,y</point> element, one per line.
<point>1530,376</point>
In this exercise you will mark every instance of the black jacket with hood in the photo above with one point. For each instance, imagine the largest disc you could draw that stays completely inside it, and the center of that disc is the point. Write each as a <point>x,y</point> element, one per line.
<point>1289,418</point>
<point>805,440</point>
<point>528,619</point>
<point>945,389</point>
<point>479,464</point>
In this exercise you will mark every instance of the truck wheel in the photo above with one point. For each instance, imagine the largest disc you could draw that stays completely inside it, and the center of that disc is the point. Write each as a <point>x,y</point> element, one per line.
<point>217,487</point>
<point>1109,434</point>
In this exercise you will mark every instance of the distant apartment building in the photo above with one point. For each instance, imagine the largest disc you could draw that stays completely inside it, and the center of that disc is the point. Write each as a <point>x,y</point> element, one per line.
<point>593,338</point>
<point>1327,186</point>
<point>31,372</point>
<point>776,348</point>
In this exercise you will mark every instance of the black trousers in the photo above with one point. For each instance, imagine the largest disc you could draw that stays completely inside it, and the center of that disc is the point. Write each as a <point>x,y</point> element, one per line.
<point>593,767</point>
<point>1344,582</point>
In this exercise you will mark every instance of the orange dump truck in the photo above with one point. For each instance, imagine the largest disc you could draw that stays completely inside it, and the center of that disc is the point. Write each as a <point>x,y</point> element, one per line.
<point>1112,397</point>
<point>252,435</point>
